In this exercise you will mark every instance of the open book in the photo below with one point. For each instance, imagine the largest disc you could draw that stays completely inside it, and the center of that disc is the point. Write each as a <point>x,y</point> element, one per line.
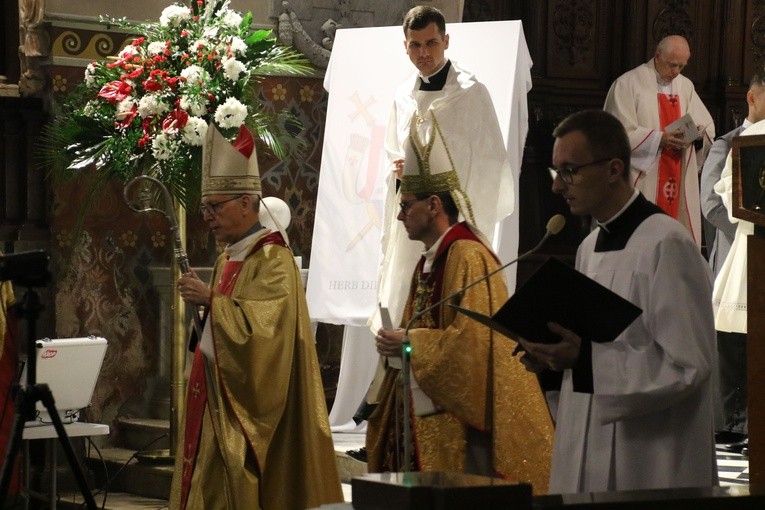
<point>557,292</point>
<point>690,131</point>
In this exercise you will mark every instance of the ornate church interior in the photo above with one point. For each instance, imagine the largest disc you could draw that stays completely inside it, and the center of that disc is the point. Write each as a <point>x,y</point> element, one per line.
<point>112,267</point>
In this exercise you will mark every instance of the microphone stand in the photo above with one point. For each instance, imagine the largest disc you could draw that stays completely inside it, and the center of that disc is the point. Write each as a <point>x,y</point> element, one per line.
<point>554,225</point>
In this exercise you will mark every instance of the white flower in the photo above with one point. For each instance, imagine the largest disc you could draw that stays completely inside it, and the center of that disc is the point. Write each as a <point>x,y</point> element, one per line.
<point>128,52</point>
<point>231,114</point>
<point>210,32</point>
<point>162,147</point>
<point>124,107</point>
<point>238,46</point>
<point>233,68</point>
<point>199,44</point>
<point>230,18</point>
<point>90,74</point>
<point>195,104</point>
<point>194,131</point>
<point>151,104</point>
<point>194,75</point>
<point>156,47</point>
<point>90,109</point>
<point>174,15</point>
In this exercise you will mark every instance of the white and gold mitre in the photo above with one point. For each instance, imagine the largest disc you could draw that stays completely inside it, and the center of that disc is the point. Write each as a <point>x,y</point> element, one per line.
<point>230,168</point>
<point>429,168</point>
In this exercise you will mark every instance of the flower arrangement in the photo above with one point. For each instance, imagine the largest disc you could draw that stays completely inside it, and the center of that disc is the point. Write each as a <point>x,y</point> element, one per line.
<point>147,109</point>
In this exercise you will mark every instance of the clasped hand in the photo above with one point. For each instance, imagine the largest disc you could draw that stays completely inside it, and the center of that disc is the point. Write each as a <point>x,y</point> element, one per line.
<point>539,357</point>
<point>389,342</point>
<point>674,139</point>
<point>193,290</point>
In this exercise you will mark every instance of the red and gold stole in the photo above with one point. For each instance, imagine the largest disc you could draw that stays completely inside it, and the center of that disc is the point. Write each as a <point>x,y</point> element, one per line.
<point>670,163</point>
<point>428,285</point>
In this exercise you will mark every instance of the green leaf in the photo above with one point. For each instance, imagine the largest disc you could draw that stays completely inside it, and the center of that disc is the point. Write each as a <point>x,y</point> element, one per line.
<point>87,139</point>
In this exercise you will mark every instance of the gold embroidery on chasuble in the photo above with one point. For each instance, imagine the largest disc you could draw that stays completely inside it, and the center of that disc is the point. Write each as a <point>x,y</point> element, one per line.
<point>422,299</point>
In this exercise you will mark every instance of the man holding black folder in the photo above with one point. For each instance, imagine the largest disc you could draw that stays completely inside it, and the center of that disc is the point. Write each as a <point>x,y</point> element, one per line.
<point>635,413</point>
<point>476,409</point>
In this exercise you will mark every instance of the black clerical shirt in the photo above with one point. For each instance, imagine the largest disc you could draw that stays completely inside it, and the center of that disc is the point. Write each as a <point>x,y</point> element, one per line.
<point>438,80</point>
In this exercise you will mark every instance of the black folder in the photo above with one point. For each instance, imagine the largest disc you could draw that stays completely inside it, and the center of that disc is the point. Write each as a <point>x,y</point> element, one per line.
<point>557,292</point>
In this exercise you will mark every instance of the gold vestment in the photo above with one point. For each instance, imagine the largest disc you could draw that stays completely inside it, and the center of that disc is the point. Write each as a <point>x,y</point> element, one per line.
<point>269,444</point>
<point>470,374</point>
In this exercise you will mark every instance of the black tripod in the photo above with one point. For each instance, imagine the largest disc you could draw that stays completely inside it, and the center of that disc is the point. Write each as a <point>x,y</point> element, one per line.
<point>27,397</point>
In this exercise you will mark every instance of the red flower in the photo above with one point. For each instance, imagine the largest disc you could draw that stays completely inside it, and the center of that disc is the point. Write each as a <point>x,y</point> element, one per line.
<point>135,74</point>
<point>146,138</point>
<point>152,85</point>
<point>115,91</point>
<point>128,118</point>
<point>175,121</point>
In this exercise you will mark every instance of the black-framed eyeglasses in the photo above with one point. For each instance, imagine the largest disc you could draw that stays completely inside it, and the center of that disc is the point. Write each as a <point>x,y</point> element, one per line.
<point>212,208</point>
<point>407,204</point>
<point>568,172</point>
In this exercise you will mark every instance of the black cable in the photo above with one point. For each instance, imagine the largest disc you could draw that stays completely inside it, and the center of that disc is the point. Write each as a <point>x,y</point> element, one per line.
<point>106,469</point>
<point>110,479</point>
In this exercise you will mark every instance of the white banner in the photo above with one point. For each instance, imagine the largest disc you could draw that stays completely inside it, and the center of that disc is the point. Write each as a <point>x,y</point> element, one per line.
<point>366,67</point>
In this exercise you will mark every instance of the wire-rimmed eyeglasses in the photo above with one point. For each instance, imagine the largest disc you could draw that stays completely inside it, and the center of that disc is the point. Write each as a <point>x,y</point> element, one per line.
<point>212,208</point>
<point>568,172</point>
<point>406,204</point>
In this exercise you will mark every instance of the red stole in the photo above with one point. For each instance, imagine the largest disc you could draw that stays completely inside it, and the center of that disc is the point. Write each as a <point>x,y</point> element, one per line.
<point>196,391</point>
<point>670,163</point>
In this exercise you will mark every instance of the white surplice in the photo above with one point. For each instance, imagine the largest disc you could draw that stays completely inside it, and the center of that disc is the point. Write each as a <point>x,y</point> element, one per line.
<point>729,296</point>
<point>648,422</point>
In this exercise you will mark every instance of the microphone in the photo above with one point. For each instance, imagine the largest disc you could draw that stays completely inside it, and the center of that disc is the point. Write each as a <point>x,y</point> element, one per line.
<point>554,226</point>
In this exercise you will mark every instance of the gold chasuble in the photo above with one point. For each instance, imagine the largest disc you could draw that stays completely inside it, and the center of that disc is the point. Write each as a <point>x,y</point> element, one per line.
<point>476,386</point>
<point>259,437</point>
